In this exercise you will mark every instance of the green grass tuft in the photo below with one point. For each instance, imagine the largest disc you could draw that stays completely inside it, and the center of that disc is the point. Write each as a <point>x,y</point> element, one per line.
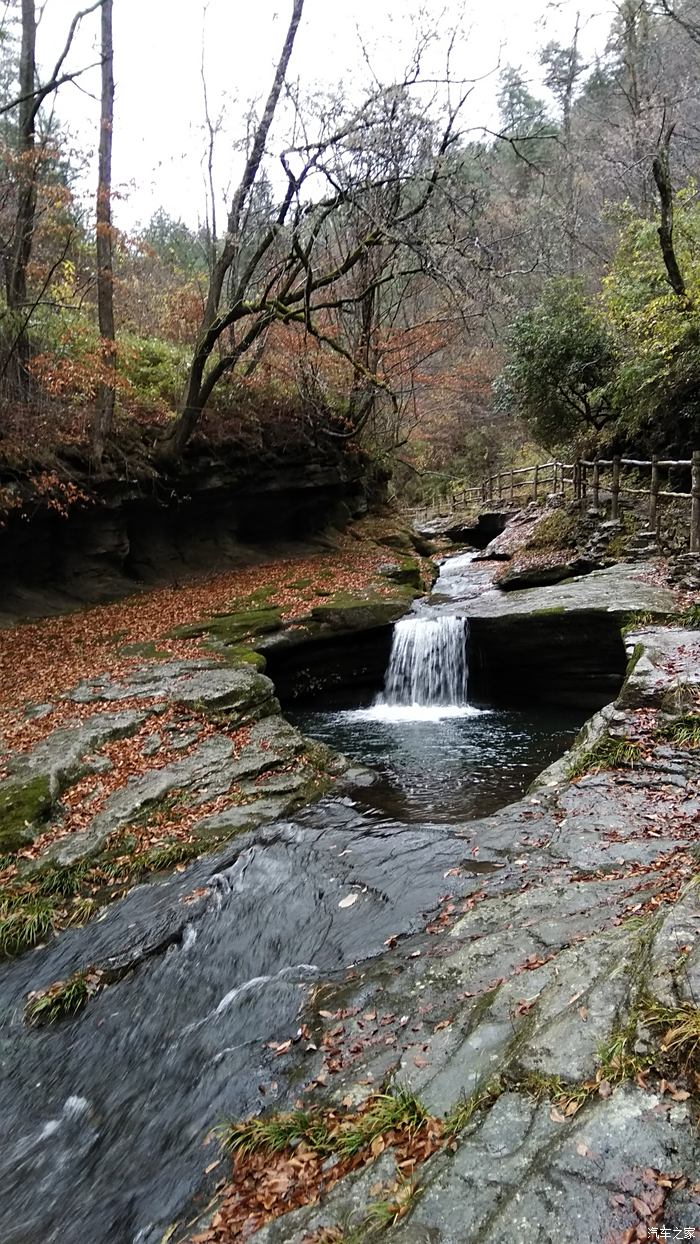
<point>168,854</point>
<point>24,924</point>
<point>275,1134</point>
<point>679,1038</point>
<point>461,1114</point>
<point>606,754</point>
<point>691,618</point>
<point>386,1112</point>
<point>685,732</point>
<point>62,999</point>
<point>58,882</point>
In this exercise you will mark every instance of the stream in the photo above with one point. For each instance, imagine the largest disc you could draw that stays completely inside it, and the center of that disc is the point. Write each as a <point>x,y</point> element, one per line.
<point>105,1116</point>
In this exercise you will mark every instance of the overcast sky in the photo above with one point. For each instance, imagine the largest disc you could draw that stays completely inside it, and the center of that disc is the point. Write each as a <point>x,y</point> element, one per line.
<point>158,46</point>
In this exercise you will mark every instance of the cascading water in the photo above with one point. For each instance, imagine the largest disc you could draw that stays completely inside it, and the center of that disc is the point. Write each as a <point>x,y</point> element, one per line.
<point>436,757</point>
<point>428,666</point>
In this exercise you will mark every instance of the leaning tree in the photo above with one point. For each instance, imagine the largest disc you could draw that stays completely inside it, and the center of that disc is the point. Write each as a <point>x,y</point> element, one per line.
<point>354,216</point>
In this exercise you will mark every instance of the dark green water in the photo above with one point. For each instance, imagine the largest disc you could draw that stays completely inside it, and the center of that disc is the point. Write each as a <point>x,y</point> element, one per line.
<point>445,768</point>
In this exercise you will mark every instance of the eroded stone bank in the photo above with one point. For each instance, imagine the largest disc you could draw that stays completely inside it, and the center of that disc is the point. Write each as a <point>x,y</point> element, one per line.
<point>514,965</point>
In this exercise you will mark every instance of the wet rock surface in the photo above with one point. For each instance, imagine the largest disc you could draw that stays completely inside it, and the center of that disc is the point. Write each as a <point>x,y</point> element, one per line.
<point>508,951</point>
<point>563,641</point>
<point>520,992</point>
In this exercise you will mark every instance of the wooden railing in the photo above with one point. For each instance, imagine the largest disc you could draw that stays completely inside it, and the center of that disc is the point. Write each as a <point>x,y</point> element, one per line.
<point>586,481</point>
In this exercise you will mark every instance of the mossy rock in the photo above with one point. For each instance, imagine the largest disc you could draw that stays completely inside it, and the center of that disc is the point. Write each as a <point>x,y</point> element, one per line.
<point>239,655</point>
<point>232,628</point>
<point>407,572</point>
<point>558,530</point>
<point>345,612</point>
<point>400,540</point>
<point>23,806</point>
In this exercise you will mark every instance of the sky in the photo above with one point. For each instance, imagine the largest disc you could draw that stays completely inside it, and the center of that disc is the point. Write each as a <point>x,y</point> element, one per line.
<point>161,45</point>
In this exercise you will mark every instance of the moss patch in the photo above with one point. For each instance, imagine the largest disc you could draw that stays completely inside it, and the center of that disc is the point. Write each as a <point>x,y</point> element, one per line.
<point>554,531</point>
<point>238,655</point>
<point>356,612</point>
<point>231,629</point>
<point>550,612</point>
<point>22,806</point>
<point>407,572</point>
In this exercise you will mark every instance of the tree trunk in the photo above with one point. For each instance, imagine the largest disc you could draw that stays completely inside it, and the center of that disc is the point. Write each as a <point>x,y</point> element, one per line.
<point>568,144</point>
<point>104,415</point>
<point>23,235</point>
<point>194,400</point>
<point>662,177</point>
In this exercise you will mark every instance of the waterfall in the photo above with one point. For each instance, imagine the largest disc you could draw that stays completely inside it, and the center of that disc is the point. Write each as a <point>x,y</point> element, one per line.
<point>428,665</point>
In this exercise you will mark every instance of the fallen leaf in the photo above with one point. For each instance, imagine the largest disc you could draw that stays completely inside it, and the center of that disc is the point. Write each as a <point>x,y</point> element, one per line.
<point>641,1207</point>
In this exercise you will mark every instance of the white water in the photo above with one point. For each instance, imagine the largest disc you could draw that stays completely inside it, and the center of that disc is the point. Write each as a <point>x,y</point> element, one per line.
<point>414,712</point>
<point>427,677</point>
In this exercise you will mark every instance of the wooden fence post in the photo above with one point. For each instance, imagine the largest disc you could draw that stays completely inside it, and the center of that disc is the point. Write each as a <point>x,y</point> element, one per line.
<point>500,485</point>
<point>511,486</point>
<point>577,480</point>
<point>615,505</point>
<point>695,504</point>
<point>596,486</point>
<point>583,485</point>
<point>535,483</point>
<point>654,494</point>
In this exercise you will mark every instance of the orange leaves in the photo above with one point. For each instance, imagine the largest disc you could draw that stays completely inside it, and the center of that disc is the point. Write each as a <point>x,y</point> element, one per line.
<point>266,1185</point>
<point>41,660</point>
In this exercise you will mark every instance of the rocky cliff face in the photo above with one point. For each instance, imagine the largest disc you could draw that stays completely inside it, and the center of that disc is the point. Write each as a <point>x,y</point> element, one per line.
<point>212,513</point>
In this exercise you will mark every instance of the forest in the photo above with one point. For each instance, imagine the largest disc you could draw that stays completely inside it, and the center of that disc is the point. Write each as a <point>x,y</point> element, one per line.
<point>386,272</point>
<point>349,621</point>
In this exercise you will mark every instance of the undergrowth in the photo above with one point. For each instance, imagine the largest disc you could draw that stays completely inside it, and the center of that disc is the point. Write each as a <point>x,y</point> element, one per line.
<point>606,754</point>
<point>61,897</point>
<point>63,999</point>
<point>684,732</point>
<point>385,1112</point>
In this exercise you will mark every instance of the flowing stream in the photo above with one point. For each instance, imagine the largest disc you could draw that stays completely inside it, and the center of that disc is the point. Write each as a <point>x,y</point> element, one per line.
<point>105,1116</point>
<point>437,757</point>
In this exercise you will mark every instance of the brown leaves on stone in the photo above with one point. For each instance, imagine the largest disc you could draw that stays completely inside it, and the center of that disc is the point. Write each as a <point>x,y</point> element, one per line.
<point>648,1208</point>
<point>40,661</point>
<point>265,1186</point>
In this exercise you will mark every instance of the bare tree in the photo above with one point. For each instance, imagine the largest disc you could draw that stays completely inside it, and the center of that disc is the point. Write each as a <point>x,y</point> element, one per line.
<point>104,415</point>
<point>361,186</point>
<point>29,157</point>
<point>21,244</point>
<point>211,327</point>
<point>684,15</point>
<point>564,67</point>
